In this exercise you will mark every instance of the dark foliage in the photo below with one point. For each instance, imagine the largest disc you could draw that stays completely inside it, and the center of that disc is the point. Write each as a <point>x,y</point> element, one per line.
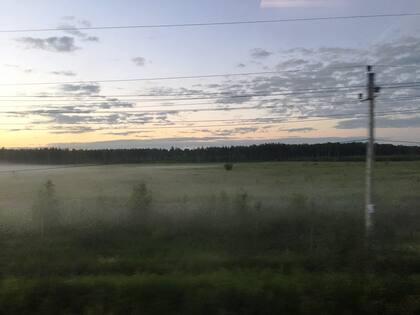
<point>228,166</point>
<point>263,152</point>
<point>45,213</point>
<point>139,205</point>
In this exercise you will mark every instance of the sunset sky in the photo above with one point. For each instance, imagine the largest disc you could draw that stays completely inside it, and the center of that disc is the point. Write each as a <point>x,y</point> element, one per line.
<point>309,72</point>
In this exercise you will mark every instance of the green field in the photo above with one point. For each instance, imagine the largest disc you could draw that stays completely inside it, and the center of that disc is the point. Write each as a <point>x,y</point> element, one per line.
<point>264,238</point>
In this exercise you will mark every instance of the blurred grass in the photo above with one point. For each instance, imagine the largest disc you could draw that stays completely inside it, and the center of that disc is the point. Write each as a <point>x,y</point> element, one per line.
<point>221,292</point>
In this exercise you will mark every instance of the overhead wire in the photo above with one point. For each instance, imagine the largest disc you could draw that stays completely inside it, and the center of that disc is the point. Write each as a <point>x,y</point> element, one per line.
<point>279,119</point>
<point>163,78</point>
<point>222,23</point>
<point>158,108</point>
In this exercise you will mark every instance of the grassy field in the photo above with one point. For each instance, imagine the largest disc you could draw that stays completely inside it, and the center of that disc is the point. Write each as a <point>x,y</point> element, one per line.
<point>340,185</point>
<point>264,238</point>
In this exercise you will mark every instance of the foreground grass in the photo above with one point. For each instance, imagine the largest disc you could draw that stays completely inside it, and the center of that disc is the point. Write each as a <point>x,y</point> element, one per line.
<point>221,292</point>
<point>129,270</point>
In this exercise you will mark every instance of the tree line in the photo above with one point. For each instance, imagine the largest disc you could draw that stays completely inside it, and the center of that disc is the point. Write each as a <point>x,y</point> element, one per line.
<point>253,153</point>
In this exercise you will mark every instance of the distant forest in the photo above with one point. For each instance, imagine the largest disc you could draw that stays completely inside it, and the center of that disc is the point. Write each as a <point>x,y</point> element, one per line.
<point>254,153</point>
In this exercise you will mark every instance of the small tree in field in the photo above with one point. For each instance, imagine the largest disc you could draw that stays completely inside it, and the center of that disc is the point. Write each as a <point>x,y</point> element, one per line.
<point>139,204</point>
<point>45,208</point>
<point>228,166</point>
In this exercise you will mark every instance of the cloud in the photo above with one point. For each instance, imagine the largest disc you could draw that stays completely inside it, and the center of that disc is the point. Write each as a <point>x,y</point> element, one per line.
<point>55,44</point>
<point>82,115</point>
<point>60,43</point>
<point>233,101</point>
<point>127,133</point>
<point>20,68</point>
<point>260,53</point>
<point>72,29</point>
<point>83,22</point>
<point>165,90</point>
<point>332,67</point>
<point>59,118</point>
<point>72,130</point>
<point>64,73</point>
<point>76,119</point>
<point>300,129</point>
<point>81,89</point>
<point>380,123</point>
<point>291,64</point>
<point>68,17</point>
<point>404,50</point>
<point>241,65</point>
<point>114,103</point>
<point>231,132</point>
<point>19,129</point>
<point>139,61</point>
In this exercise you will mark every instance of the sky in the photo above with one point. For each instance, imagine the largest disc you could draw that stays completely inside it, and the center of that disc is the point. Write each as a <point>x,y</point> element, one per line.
<point>309,73</point>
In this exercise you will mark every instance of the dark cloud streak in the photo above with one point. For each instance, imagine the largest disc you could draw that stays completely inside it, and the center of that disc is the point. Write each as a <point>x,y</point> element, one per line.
<point>260,53</point>
<point>139,61</point>
<point>54,44</point>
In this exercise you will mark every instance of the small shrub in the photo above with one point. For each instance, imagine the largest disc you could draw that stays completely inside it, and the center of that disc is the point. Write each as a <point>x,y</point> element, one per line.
<point>45,211</point>
<point>228,166</point>
<point>139,204</point>
<point>241,203</point>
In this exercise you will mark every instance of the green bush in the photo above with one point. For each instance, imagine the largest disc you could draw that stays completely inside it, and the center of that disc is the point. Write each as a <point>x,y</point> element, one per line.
<point>45,212</point>
<point>228,166</point>
<point>139,205</point>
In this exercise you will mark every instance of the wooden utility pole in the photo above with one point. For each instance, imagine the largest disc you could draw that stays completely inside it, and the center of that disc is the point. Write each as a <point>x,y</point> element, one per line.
<point>372,89</point>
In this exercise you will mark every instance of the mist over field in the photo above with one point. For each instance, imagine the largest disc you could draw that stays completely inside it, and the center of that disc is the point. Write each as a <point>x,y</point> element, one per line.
<point>101,192</point>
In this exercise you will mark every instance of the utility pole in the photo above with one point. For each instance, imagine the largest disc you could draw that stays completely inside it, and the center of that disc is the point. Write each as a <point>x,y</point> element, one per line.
<point>372,90</point>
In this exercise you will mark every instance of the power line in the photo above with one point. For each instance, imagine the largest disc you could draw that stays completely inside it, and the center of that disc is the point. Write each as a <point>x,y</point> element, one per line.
<point>172,121</point>
<point>217,95</point>
<point>161,107</point>
<point>385,85</point>
<point>143,79</point>
<point>223,23</point>
<point>400,84</point>
<point>396,66</point>
<point>88,107</point>
<point>159,78</point>
<point>277,119</point>
<point>404,98</point>
<point>84,111</point>
<point>206,94</point>
<point>127,112</point>
<point>262,119</point>
<point>220,96</point>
